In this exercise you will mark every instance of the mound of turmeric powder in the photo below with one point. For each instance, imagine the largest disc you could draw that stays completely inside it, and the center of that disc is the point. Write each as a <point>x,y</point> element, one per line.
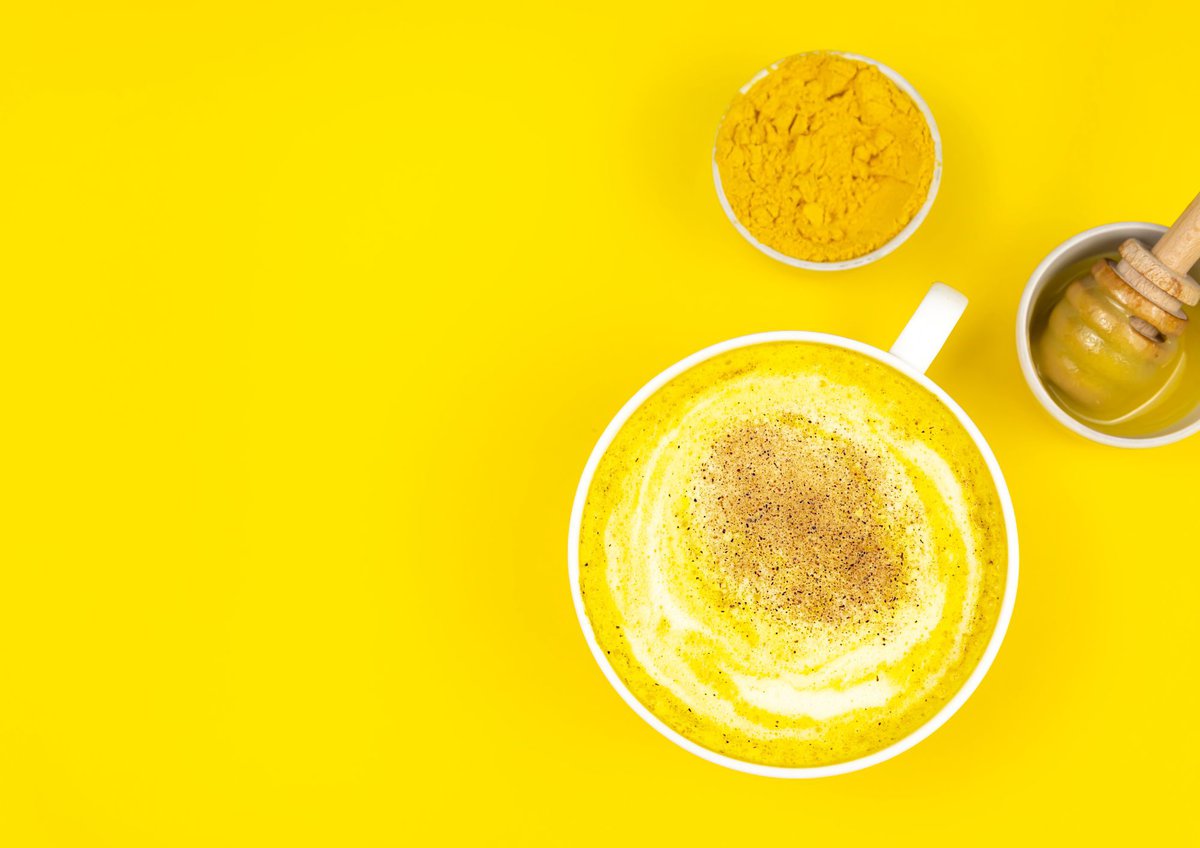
<point>824,159</point>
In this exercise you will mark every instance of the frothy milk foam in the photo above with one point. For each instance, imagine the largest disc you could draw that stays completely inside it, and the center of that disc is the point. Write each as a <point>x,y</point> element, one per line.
<point>792,554</point>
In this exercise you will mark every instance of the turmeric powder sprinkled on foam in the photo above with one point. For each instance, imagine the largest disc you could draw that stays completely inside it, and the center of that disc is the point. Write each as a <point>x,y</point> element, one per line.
<point>824,159</point>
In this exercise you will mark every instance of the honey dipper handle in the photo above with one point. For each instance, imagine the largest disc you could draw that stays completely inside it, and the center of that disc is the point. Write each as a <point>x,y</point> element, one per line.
<point>1179,248</point>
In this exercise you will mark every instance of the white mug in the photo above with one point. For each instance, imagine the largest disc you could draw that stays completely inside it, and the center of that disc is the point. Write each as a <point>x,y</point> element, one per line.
<point>912,353</point>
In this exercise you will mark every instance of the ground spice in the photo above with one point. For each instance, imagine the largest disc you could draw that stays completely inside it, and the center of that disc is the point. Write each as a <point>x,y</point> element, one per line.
<point>824,159</point>
<point>795,521</point>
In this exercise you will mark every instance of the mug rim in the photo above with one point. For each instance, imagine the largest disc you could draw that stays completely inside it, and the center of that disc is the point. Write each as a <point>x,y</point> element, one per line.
<point>1025,346</point>
<point>895,241</point>
<point>937,719</point>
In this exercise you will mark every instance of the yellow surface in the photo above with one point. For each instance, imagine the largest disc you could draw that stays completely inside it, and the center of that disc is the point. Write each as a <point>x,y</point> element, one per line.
<point>311,317</point>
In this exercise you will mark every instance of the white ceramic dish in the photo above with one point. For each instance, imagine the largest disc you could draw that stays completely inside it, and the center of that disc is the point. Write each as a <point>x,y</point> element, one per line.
<point>896,240</point>
<point>911,355</point>
<point>1093,242</point>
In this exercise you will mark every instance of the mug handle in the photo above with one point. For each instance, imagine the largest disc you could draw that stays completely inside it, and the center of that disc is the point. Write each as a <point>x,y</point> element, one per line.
<point>930,326</point>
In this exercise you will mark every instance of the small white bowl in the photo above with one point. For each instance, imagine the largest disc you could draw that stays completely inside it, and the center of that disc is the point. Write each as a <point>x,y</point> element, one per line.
<point>1089,243</point>
<point>897,239</point>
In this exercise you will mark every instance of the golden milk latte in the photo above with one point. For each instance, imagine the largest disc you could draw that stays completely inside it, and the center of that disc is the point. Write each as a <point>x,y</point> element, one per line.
<point>792,554</point>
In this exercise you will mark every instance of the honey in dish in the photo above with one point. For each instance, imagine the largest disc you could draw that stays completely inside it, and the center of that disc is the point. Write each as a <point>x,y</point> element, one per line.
<point>793,554</point>
<point>1158,395</point>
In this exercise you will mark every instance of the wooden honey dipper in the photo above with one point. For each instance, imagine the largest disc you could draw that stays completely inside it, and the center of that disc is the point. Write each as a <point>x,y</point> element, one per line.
<point>1111,344</point>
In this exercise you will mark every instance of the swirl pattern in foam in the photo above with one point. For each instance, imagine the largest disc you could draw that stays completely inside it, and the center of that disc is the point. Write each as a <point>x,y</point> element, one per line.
<point>792,554</point>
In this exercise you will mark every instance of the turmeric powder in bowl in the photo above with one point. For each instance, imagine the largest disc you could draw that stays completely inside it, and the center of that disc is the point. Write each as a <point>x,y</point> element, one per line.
<point>827,161</point>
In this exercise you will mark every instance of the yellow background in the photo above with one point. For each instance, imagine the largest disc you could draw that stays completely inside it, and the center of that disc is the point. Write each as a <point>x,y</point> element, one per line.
<point>311,317</point>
